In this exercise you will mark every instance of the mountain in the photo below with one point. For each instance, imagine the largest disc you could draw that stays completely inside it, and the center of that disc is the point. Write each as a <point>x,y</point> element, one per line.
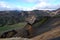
<point>16,16</point>
<point>41,24</point>
<point>44,29</point>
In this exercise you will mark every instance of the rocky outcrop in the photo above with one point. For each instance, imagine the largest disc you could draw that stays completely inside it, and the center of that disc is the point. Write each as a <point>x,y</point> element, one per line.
<point>8,34</point>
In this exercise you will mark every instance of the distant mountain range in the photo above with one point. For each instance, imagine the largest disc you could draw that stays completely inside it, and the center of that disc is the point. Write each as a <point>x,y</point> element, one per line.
<point>16,16</point>
<point>33,12</point>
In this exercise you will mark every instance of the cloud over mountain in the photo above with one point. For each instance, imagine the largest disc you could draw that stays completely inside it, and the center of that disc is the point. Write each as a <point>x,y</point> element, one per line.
<point>37,4</point>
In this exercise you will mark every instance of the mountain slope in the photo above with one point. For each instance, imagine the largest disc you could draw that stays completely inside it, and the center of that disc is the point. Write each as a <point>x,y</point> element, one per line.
<point>50,30</point>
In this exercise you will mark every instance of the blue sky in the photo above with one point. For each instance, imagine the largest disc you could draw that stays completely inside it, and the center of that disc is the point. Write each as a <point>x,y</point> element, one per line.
<point>29,4</point>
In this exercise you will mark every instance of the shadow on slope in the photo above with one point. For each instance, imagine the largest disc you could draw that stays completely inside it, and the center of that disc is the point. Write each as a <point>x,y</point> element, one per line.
<point>47,26</point>
<point>57,38</point>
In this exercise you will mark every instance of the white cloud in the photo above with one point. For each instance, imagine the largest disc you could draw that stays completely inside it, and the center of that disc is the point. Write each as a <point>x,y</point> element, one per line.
<point>29,1</point>
<point>3,4</point>
<point>39,4</point>
<point>23,8</point>
<point>43,4</point>
<point>7,6</point>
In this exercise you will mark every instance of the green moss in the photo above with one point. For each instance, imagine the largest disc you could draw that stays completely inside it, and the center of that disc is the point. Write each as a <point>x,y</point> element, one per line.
<point>40,22</point>
<point>10,27</point>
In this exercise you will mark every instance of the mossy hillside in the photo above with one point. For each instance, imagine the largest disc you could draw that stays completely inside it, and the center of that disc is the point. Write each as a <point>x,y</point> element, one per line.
<point>11,27</point>
<point>38,24</point>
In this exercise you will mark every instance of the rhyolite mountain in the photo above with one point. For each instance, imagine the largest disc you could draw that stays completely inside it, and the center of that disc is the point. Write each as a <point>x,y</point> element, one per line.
<point>10,17</point>
<point>44,24</point>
